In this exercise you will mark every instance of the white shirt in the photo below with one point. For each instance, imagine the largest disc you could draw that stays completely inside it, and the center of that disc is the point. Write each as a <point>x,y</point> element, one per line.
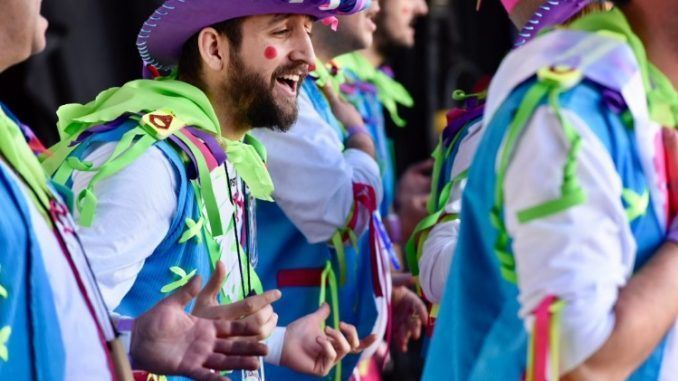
<point>440,244</point>
<point>85,356</point>
<point>314,176</point>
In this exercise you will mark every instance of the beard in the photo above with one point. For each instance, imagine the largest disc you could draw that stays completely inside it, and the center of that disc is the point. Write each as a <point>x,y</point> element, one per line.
<point>253,97</point>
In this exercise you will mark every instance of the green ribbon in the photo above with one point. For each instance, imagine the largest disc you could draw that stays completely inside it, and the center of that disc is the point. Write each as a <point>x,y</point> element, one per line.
<point>188,103</point>
<point>19,156</point>
<point>323,77</point>
<point>390,92</point>
<point>248,158</point>
<point>661,95</point>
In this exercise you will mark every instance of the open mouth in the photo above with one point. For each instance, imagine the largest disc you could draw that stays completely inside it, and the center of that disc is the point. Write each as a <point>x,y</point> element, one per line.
<point>289,83</point>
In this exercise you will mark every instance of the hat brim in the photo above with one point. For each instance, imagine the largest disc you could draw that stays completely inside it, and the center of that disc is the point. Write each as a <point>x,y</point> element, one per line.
<point>163,35</point>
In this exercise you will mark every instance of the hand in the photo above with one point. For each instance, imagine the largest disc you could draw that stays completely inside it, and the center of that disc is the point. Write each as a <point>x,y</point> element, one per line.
<point>345,112</point>
<point>308,350</point>
<point>413,192</point>
<point>255,312</point>
<point>167,340</point>
<point>409,315</point>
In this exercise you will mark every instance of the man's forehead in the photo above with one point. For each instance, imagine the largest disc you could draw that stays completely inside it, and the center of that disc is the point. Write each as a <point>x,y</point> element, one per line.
<point>275,18</point>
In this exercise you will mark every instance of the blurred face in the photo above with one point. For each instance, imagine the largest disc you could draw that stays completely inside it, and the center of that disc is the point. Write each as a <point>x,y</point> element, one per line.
<point>396,21</point>
<point>266,71</point>
<point>356,31</point>
<point>22,30</point>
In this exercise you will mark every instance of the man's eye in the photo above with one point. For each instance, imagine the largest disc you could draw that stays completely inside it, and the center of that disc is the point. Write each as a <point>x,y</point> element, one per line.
<point>281,32</point>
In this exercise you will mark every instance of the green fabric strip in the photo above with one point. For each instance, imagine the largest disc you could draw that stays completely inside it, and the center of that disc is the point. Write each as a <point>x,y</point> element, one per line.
<point>390,92</point>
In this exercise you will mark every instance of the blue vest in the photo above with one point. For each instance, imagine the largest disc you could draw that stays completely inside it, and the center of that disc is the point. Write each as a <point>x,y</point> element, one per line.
<point>479,335</point>
<point>30,335</point>
<point>367,103</point>
<point>192,255</point>
<point>293,265</point>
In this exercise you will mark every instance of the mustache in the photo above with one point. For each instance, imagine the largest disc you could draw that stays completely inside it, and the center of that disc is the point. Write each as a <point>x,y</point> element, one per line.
<point>300,69</point>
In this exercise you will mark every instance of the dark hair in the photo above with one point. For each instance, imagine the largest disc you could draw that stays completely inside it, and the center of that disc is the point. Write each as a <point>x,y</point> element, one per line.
<point>190,63</point>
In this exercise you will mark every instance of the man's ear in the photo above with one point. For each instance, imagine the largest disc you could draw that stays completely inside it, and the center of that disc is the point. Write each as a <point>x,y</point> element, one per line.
<point>213,49</point>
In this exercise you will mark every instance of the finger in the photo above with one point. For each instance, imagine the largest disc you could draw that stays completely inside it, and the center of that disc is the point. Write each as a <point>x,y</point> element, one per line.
<point>322,313</point>
<point>220,362</point>
<point>351,334</point>
<point>331,96</point>
<point>403,279</point>
<point>204,374</point>
<point>339,342</point>
<point>404,341</point>
<point>265,330</point>
<point>414,326</point>
<point>251,305</point>
<point>240,347</point>
<point>366,342</point>
<point>327,355</point>
<point>208,295</point>
<point>186,293</point>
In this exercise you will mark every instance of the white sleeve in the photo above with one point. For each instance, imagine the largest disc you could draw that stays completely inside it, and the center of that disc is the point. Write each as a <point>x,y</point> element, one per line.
<point>275,344</point>
<point>582,255</point>
<point>313,178</point>
<point>436,259</point>
<point>134,212</point>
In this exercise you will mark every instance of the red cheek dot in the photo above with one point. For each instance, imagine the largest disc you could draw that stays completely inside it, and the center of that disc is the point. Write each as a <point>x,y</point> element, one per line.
<point>270,52</point>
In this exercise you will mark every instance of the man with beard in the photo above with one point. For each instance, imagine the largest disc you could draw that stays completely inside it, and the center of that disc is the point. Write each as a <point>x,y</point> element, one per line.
<point>371,88</point>
<point>567,248</point>
<point>328,194</point>
<point>53,323</point>
<point>166,175</point>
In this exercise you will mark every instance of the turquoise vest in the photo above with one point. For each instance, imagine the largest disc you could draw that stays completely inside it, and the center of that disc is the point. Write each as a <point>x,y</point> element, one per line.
<point>31,346</point>
<point>177,259</point>
<point>479,335</point>
<point>293,265</point>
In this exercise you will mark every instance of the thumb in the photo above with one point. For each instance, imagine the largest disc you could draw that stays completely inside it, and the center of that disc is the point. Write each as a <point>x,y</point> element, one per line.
<point>185,293</point>
<point>322,313</point>
<point>209,293</point>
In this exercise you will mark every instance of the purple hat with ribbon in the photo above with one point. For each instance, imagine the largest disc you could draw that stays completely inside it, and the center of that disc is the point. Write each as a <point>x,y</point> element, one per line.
<point>164,33</point>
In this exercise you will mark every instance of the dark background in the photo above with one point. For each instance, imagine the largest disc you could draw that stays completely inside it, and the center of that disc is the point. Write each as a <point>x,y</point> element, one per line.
<point>91,47</point>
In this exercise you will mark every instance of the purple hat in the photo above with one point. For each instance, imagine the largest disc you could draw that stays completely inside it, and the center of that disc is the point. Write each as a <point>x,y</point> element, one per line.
<point>164,33</point>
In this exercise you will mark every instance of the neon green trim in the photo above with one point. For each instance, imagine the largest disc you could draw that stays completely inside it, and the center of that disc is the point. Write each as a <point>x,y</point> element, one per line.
<point>328,276</point>
<point>19,156</point>
<point>438,161</point>
<point>338,244</point>
<point>390,92</point>
<point>184,278</point>
<point>637,203</point>
<point>324,77</point>
<point>206,189</point>
<point>556,310</point>
<point>248,160</point>
<point>87,201</point>
<point>194,230</point>
<point>5,333</point>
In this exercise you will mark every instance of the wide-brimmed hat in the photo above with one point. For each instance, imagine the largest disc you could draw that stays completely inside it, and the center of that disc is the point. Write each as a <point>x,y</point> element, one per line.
<point>164,33</point>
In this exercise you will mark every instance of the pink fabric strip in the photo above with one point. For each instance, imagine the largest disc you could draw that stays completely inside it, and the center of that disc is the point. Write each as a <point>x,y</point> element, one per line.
<point>209,158</point>
<point>541,338</point>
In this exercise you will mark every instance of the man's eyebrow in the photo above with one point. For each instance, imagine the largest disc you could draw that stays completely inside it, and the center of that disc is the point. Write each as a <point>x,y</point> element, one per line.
<point>278,18</point>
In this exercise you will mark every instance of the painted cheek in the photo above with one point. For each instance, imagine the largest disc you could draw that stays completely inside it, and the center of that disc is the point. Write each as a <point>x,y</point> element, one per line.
<point>270,52</point>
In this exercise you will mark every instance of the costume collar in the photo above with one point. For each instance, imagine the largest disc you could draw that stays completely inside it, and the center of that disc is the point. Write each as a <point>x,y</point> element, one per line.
<point>390,92</point>
<point>661,96</point>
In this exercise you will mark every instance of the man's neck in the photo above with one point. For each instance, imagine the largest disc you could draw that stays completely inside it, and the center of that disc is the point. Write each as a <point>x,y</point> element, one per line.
<point>656,37</point>
<point>373,55</point>
<point>231,127</point>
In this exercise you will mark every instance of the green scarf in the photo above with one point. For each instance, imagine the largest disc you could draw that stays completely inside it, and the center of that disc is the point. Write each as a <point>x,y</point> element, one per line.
<point>389,91</point>
<point>324,77</point>
<point>188,103</point>
<point>15,151</point>
<point>661,96</point>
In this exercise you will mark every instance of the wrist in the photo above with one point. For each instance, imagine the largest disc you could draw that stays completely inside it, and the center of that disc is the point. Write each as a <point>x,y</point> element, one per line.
<point>356,130</point>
